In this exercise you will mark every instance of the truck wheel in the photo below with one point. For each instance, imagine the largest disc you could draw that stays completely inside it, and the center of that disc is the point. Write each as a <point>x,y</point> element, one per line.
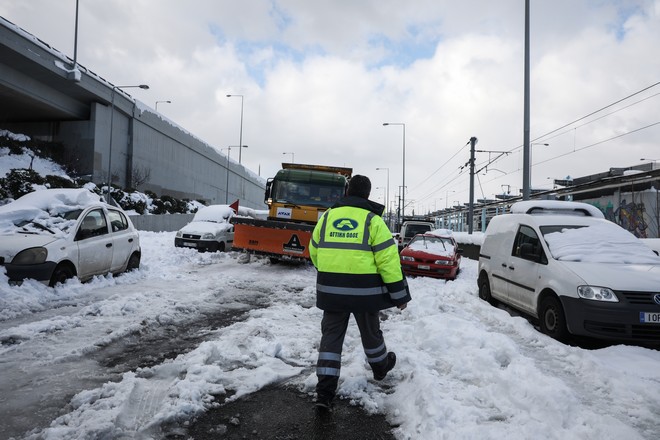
<point>552,319</point>
<point>61,273</point>
<point>221,246</point>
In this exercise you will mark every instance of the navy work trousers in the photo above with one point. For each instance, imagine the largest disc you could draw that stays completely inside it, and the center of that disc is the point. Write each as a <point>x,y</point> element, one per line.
<point>333,328</point>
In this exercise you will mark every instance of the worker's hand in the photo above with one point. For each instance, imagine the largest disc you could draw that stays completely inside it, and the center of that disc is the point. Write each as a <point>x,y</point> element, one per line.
<point>403,306</point>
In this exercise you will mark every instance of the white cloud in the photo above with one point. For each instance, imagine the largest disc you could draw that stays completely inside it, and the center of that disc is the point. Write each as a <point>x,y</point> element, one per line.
<point>320,78</point>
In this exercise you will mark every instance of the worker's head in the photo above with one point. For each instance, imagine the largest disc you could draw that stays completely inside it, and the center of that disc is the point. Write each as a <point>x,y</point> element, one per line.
<point>359,186</point>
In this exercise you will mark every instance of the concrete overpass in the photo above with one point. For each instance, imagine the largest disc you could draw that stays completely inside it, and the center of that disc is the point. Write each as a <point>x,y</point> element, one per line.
<point>45,97</point>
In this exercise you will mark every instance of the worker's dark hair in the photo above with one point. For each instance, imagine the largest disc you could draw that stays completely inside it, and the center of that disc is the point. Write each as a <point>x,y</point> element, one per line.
<point>359,186</point>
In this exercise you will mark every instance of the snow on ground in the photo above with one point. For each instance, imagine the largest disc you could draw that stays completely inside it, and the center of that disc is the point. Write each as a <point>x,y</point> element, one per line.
<point>465,369</point>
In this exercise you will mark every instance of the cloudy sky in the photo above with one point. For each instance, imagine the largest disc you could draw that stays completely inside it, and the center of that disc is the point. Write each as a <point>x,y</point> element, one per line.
<point>319,79</point>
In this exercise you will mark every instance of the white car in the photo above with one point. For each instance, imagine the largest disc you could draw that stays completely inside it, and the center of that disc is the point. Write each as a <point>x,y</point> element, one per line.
<point>52,235</point>
<point>209,230</point>
<point>579,274</point>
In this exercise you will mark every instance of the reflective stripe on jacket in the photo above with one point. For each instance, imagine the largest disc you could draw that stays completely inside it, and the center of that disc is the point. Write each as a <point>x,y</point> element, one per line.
<point>357,260</point>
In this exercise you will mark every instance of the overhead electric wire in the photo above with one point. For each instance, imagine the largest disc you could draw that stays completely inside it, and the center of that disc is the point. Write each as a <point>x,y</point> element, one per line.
<point>544,136</point>
<point>599,110</point>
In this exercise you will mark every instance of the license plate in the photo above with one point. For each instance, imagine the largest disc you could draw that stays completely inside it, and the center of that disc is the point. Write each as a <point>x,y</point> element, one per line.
<point>423,267</point>
<point>189,244</point>
<point>649,318</point>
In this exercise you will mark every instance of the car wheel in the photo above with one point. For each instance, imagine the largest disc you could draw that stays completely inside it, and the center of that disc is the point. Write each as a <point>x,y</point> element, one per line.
<point>553,319</point>
<point>133,263</point>
<point>484,290</point>
<point>221,246</point>
<point>61,273</point>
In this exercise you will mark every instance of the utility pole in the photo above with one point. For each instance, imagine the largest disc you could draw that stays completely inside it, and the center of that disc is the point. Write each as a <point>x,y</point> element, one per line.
<point>473,143</point>
<point>527,181</point>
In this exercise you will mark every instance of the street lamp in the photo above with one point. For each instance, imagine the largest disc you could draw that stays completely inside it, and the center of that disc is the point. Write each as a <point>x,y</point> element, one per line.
<point>112,117</point>
<point>168,102</point>
<point>447,198</point>
<point>292,160</point>
<point>240,137</point>
<point>228,154</point>
<point>387,196</point>
<point>384,191</point>
<point>403,197</point>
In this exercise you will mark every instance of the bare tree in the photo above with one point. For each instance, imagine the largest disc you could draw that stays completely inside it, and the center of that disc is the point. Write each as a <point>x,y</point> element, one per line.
<point>140,175</point>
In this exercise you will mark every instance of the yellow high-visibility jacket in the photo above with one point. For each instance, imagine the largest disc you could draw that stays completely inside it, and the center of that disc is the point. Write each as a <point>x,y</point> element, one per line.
<point>357,259</point>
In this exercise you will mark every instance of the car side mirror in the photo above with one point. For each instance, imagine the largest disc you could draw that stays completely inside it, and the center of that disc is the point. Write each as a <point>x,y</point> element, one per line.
<point>459,251</point>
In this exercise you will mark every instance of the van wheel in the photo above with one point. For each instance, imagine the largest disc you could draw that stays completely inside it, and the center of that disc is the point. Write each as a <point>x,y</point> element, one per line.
<point>60,275</point>
<point>484,291</point>
<point>221,246</point>
<point>553,319</point>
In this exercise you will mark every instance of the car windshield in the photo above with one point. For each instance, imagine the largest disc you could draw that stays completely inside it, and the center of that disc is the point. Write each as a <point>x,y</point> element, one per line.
<point>214,214</point>
<point>432,244</point>
<point>603,242</point>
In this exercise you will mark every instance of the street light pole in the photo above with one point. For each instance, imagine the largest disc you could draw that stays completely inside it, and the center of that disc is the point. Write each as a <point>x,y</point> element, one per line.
<point>168,102</point>
<point>227,183</point>
<point>387,197</point>
<point>112,117</point>
<point>228,154</point>
<point>292,156</point>
<point>240,136</point>
<point>403,195</point>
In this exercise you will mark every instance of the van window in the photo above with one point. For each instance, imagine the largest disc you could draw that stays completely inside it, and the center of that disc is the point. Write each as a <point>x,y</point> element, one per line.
<point>528,246</point>
<point>412,230</point>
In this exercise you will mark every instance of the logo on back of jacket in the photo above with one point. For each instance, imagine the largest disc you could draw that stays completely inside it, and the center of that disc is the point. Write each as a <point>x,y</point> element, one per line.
<point>345,228</point>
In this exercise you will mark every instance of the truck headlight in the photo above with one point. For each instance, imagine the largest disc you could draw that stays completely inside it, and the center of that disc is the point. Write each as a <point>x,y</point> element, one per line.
<point>597,293</point>
<point>36,255</point>
<point>179,234</point>
<point>208,236</point>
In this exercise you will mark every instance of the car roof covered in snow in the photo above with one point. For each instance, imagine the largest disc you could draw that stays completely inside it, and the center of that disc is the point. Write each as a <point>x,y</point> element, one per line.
<point>556,207</point>
<point>214,213</point>
<point>42,205</point>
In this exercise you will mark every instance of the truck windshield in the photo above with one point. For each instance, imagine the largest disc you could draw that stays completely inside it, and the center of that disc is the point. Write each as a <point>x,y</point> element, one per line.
<point>306,193</point>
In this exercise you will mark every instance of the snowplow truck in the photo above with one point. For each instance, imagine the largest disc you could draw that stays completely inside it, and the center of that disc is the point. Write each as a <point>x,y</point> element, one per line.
<point>296,197</point>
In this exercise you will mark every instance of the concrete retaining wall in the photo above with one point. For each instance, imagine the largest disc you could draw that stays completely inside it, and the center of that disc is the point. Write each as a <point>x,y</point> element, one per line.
<point>161,223</point>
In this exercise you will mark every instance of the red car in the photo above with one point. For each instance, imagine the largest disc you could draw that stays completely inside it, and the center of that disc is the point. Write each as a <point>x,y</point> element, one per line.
<point>432,254</point>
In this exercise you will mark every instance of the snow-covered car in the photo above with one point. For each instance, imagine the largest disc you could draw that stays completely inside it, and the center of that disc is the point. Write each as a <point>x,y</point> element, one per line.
<point>563,263</point>
<point>209,230</point>
<point>433,254</point>
<point>52,235</point>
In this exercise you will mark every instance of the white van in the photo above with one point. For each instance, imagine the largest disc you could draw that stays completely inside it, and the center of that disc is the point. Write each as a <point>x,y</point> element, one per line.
<point>411,228</point>
<point>563,263</point>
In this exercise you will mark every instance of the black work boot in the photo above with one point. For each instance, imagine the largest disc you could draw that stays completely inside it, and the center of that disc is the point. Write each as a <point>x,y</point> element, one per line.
<point>380,373</point>
<point>323,403</point>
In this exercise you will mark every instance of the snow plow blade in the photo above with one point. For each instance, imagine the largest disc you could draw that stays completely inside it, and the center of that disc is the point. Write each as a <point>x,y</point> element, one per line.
<point>272,238</point>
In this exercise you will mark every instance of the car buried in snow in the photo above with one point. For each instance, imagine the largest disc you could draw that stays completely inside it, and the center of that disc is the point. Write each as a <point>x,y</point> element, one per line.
<point>209,230</point>
<point>52,235</point>
<point>433,254</point>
